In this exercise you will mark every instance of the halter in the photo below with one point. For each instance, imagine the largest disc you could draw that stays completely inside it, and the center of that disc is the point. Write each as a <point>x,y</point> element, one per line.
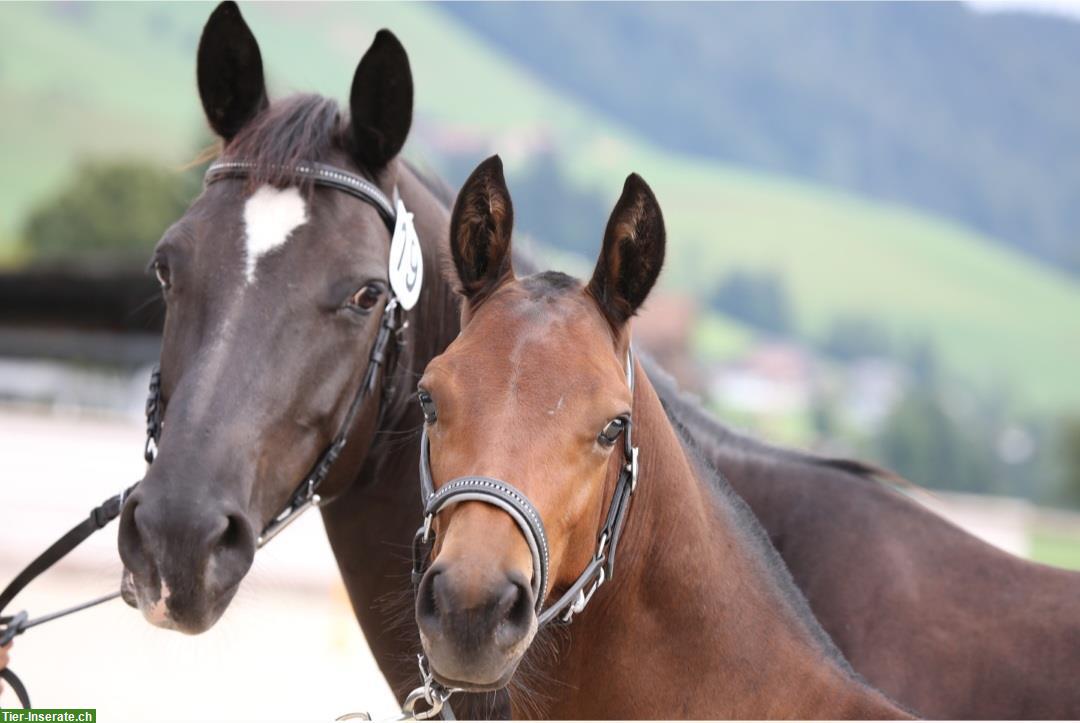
<point>306,494</point>
<point>508,498</point>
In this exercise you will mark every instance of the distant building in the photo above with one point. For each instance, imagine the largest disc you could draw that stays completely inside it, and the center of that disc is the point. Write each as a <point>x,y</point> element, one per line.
<point>872,387</point>
<point>773,378</point>
<point>664,328</point>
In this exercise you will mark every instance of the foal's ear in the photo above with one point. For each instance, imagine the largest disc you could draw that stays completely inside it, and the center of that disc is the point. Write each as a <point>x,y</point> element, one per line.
<point>632,254</point>
<point>480,228</point>
<point>381,101</point>
<point>230,72</point>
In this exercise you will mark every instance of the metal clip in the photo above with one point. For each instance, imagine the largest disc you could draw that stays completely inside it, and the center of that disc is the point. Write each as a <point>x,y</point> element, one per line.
<point>584,597</point>
<point>286,518</point>
<point>150,450</point>
<point>11,626</point>
<point>632,467</point>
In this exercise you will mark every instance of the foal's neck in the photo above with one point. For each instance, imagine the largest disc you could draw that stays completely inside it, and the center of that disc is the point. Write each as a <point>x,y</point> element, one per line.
<point>697,622</point>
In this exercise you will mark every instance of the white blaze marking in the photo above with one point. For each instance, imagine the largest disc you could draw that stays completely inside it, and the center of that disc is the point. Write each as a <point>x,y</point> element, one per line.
<point>270,215</point>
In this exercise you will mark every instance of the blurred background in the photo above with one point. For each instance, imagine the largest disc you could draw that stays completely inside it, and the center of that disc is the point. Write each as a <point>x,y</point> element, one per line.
<point>873,220</point>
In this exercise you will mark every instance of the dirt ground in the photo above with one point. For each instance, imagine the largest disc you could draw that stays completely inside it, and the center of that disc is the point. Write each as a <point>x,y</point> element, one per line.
<point>288,648</point>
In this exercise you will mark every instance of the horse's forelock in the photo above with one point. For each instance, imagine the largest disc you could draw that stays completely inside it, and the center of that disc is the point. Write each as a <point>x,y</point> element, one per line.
<point>303,127</point>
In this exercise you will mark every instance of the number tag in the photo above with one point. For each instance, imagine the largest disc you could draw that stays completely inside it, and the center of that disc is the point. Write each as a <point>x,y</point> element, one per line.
<point>406,260</point>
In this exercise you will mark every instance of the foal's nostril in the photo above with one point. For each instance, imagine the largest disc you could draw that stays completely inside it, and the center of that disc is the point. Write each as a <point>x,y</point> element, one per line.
<point>515,607</point>
<point>427,602</point>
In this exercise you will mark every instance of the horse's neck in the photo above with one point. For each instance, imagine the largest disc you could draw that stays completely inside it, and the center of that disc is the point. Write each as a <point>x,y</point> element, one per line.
<point>695,622</point>
<point>371,524</point>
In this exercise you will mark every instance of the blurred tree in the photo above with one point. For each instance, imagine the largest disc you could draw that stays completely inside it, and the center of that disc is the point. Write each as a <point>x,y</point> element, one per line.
<point>924,442</point>
<point>556,211</point>
<point>1070,452</point>
<point>852,336</point>
<point>759,299</point>
<point>823,417</point>
<point>109,211</point>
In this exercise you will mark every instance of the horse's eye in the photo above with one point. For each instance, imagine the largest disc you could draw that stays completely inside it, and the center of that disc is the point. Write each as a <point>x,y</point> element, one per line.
<point>427,404</point>
<point>611,432</point>
<point>366,297</point>
<point>164,276</point>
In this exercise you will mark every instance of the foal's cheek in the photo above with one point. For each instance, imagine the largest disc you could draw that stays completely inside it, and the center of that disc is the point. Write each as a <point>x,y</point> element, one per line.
<point>575,514</point>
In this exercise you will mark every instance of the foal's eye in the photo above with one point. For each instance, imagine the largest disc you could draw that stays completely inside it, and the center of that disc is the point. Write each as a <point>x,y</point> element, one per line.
<point>611,432</point>
<point>427,404</point>
<point>366,297</point>
<point>164,276</point>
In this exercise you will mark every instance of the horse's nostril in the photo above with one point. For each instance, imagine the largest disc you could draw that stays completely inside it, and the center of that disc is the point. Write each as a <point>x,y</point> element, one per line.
<point>132,541</point>
<point>232,537</point>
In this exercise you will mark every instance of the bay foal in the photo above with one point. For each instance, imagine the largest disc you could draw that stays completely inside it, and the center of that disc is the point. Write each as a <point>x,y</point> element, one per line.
<point>700,618</point>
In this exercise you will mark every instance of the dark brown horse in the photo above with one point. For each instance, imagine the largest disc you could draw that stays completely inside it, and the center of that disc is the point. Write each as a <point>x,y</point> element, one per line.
<point>248,410</point>
<point>934,617</point>
<point>700,618</point>
<point>274,295</point>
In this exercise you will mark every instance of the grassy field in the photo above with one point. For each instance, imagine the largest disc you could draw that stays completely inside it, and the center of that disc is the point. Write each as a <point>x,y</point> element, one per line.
<point>125,85</point>
<point>1058,550</point>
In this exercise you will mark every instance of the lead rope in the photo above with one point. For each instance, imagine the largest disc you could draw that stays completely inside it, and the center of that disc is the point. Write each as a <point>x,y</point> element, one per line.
<point>12,626</point>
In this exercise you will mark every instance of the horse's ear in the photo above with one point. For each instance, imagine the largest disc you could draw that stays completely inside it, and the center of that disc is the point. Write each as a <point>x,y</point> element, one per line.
<point>632,254</point>
<point>230,72</point>
<point>381,101</point>
<point>480,229</point>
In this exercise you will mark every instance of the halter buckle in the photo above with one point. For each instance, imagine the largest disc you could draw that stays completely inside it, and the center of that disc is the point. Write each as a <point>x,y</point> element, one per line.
<point>632,468</point>
<point>427,529</point>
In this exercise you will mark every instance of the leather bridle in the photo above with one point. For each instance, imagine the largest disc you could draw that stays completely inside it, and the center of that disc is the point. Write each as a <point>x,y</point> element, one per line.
<point>508,498</point>
<point>306,494</point>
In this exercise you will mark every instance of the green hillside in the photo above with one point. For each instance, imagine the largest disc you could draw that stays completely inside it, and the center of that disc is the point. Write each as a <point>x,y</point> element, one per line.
<point>125,85</point>
<point>970,114</point>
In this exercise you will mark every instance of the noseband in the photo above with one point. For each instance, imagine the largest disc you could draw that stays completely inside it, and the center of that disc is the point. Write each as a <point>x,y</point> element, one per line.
<point>509,499</point>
